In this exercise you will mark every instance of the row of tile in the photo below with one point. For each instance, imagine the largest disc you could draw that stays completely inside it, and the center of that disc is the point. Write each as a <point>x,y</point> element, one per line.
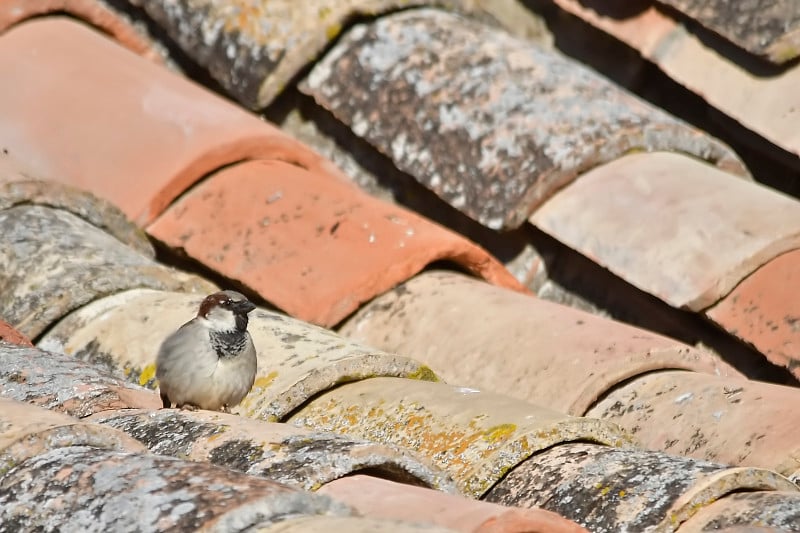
<point>278,463</point>
<point>759,96</point>
<point>117,317</point>
<point>455,430</point>
<point>690,269</point>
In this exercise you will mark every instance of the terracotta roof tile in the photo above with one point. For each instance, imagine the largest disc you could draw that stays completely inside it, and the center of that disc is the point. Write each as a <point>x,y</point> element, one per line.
<point>748,512</point>
<point>763,311</point>
<point>29,431</point>
<point>711,230</point>
<point>492,124</point>
<point>610,489</point>
<point>65,384</point>
<point>54,262</point>
<point>769,29</point>
<point>768,105</point>
<point>728,420</point>
<point>381,498</point>
<point>254,49</point>
<point>19,185</point>
<point>96,13</point>
<point>476,334</point>
<point>101,490</point>
<point>174,131</point>
<point>474,436</point>
<point>280,452</point>
<point>315,247</point>
<point>12,336</point>
<point>296,360</point>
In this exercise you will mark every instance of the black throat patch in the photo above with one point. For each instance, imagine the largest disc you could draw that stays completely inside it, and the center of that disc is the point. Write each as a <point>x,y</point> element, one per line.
<point>228,344</point>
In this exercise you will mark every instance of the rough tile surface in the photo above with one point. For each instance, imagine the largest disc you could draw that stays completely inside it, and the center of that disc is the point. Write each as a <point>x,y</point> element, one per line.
<point>280,452</point>
<point>487,337</point>
<point>490,123</point>
<point>11,336</point>
<point>768,105</point>
<point>18,185</point>
<point>88,489</point>
<point>94,12</point>
<point>52,262</point>
<point>62,383</point>
<point>770,29</point>
<point>608,490</point>
<point>710,232</point>
<point>313,246</point>
<point>349,524</point>
<point>764,310</point>
<point>296,360</point>
<point>122,127</point>
<point>28,431</point>
<point>762,511</point>
<point>375,497</point>
<point>474,436</point>
<point>727,420</point>
<point>254,49</point>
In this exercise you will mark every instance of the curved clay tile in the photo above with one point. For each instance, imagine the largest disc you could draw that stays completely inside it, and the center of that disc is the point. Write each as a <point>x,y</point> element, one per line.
<point>52,262</point>
<point>66,384</point>
<point>722,79</point>
<point>611,489</point>
<point>296,360</point>
<point>376,497</point>
<point>710,231</point>
<point>474,436</point>
<point>763,311</point>
<point>10,335</point>
<point>29,431</point>
<point>492,124</point>
<point>287,454</point>
<point>313,246</point>
<point>748,512</point>
<point>119,126</point>
<point>728,420</point>
<point>96,13</point>
<point>77,486</point>
<point>19,185</point>
<point>497,340</point>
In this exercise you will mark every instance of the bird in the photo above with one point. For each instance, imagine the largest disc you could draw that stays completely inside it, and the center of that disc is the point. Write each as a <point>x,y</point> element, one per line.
<point>209,362</point>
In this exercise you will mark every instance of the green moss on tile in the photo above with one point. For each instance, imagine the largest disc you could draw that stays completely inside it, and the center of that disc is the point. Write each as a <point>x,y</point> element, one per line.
<point>423,373</point>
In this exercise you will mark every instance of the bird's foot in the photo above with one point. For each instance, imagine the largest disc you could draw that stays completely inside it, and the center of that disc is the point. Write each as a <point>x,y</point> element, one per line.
<point>188,407</point>
<point>225,409</point>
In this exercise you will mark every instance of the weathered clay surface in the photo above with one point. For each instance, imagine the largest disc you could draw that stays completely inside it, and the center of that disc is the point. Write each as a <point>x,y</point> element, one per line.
<point>82,488</point>
<point>748,512</point>
<point>94,12</point>
<point>759,311</point>
<point>27,431</point>
<point>727,420</point>
<point>254,49</point>
<point>609,490</point>
<point>348,524</point>
<point>11,336</point>
<point>18,185</point>
<point>384,499</point>
<point>280,452</point>
<point>296,360</point>
<point>552,355</point>
<point>53,262</point>
<point>475,437</point>
<point>490,123</point>
<point>175,131</point>
<point>770,29</point>
<point>313,246</point>
<point>711,231</point>
<point>65,384</point>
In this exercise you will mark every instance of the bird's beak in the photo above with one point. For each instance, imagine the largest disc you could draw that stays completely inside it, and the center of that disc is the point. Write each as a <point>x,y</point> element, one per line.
<point>244,307</point>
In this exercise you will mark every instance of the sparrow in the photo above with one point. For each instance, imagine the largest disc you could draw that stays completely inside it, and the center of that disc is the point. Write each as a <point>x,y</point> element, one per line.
<point>209,362</point>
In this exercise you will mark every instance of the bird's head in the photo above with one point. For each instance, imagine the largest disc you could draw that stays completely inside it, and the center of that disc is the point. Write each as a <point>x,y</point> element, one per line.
<point>226,310</point>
